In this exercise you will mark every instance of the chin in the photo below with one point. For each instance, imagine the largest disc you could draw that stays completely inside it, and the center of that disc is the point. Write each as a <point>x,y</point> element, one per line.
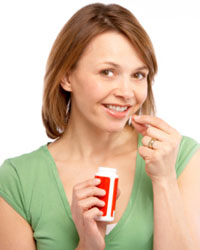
<point>114,127</point>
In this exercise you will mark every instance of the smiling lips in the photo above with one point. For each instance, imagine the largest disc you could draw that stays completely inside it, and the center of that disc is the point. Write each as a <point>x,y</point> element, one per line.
<point>117,111</point>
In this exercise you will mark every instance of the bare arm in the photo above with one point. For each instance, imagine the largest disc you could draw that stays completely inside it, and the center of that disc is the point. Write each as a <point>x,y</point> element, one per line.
<point>15,232</point>
<point>84,210</point>
<point>177,210</point>
<point>176,203</point>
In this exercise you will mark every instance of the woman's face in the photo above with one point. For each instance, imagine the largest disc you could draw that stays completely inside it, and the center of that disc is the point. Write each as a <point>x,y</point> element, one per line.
<point>109,83</point>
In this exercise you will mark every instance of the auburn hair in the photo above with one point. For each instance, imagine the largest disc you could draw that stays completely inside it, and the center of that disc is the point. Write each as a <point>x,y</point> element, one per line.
<point>82,27</point>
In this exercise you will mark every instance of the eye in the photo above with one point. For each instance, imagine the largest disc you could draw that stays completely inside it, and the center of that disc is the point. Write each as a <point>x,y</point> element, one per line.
<point>140,75</point>
<point>107,72</point>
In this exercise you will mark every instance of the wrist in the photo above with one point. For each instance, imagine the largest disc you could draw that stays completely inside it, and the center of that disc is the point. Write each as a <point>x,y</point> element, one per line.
<point>164,182</point>
<point>80,247</point>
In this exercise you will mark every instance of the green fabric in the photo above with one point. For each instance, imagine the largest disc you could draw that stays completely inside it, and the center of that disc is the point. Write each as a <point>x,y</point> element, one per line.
<point>31,185</point>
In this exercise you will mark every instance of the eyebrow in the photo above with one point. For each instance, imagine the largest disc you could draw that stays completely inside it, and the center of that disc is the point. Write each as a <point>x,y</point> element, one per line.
<point>118,66</point>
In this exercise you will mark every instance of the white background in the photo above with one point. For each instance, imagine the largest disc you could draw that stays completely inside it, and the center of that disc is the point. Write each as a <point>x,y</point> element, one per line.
<point>28,30</point>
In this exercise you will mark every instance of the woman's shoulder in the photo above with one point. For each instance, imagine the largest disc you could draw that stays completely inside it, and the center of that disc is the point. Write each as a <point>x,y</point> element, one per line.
<point>186,140</point>
<point>27,161</point>
<point>24,177</point>
<point>187,149</point>
<point>188,146</point>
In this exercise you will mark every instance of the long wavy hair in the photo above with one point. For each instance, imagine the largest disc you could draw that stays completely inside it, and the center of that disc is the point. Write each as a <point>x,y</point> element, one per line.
<point>83,26</point>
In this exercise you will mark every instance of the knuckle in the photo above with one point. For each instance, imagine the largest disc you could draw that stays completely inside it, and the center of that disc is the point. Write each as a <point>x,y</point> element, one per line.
<point>75,188</point>
<point>86,216</point>
<point>96,209</point>
<point>77,195</point>
<point>147,161</point>
<point>93,190</point>
<point>79,204</point>
<point>149,130</point>
<point>144,139</point>
<point>141,150</point>
<point>90,182</point>
<point>96,200</point>
<point>89,214</point>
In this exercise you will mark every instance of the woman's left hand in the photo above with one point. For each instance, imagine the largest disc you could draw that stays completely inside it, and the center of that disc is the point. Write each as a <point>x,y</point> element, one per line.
<point>161,158</point>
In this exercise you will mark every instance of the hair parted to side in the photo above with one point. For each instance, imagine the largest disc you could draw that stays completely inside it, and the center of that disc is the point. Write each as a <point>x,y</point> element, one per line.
<point>83,26</point>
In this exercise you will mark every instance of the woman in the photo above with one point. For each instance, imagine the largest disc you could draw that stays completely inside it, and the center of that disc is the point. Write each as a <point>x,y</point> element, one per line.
<point>98,105</point>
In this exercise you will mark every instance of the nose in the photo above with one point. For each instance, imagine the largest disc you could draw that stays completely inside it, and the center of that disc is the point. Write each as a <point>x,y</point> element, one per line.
<point>124,89</point>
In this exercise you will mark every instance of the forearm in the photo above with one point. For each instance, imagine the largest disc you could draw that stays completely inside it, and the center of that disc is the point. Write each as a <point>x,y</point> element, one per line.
<point>170,226</point>
<point>82,247</point>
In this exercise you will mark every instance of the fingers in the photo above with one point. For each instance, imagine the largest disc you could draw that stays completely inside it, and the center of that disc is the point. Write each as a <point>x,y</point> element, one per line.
<point>88,219</point>
<point>91,214</point>
<point>88,183</point>
<point>156,145</point>
<point>145,152</point>
<point>150,132</point>
<point>87,198</point>
<point>153,121</point>
<point>91,202</point>
<point>87,192</point>
<point>157,134</point>
<point>141,128</point>
<point>85,211</point>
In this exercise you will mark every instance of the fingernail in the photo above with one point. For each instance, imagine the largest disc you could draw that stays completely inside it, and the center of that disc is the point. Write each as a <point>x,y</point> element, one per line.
<point>136,117</point>
<point>102,203</point>
<point>103,192</point>
<point>97,181</point>
<point>101,213</point>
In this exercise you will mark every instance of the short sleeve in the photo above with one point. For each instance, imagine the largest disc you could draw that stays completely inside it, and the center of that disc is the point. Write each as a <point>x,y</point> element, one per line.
<point>11,189</point>
<point>187,149</point>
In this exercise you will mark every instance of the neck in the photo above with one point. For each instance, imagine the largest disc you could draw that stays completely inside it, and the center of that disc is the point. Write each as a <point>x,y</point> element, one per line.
<point>83,142</point>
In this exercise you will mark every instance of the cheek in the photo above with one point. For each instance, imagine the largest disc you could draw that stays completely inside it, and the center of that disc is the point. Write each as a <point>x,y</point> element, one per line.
<point>89,90</point>
<point>81,85</point>
<point>96,89</point>
<point>142,94</point>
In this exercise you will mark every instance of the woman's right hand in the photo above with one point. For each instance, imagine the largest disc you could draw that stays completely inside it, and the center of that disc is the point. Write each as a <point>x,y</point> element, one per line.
<point>84,210</point>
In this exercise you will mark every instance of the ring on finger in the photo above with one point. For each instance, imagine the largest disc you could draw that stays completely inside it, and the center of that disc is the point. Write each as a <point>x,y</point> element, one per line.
<point>151,142</point>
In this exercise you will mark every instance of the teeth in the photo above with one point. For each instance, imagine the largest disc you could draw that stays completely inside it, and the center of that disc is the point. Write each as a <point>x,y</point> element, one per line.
<point>117,108</point>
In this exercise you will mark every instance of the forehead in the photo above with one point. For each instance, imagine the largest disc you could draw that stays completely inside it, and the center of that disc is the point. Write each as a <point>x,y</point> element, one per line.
<point>111,46</point>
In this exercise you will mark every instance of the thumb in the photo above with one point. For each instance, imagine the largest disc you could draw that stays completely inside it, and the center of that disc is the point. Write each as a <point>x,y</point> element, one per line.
<point>141,128</point>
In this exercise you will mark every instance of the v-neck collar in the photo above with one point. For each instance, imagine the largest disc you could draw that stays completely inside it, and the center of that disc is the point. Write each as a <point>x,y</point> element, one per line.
<point>131,202</point>
<point>132,199</point>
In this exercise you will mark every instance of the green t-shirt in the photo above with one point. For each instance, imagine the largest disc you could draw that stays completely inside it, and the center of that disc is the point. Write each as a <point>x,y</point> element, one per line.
<point>31,185</point>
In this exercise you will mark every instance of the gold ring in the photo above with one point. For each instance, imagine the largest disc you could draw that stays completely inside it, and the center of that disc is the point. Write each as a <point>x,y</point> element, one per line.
<point>151,142</point>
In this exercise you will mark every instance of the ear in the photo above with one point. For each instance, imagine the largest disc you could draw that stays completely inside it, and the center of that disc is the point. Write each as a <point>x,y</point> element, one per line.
<point>65,83</point>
